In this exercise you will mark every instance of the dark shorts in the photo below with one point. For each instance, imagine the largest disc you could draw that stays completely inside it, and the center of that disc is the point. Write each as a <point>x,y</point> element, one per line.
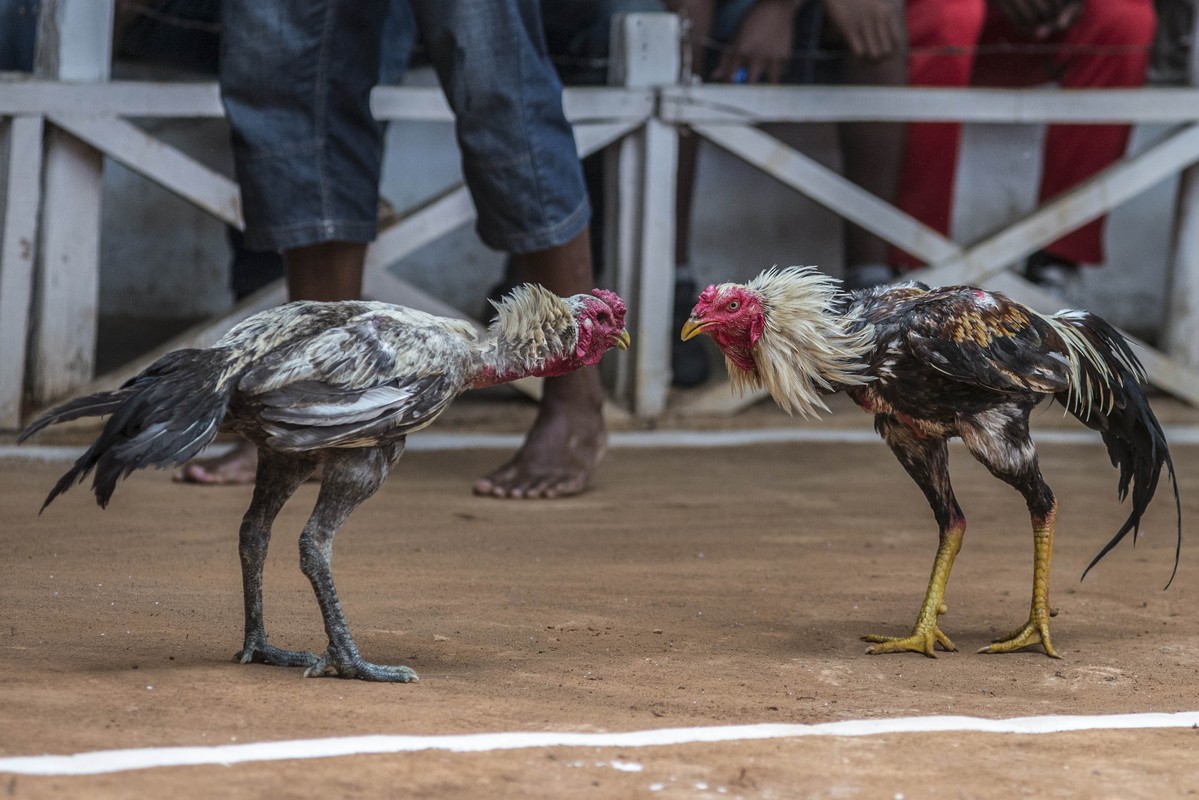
<point>296,77</point>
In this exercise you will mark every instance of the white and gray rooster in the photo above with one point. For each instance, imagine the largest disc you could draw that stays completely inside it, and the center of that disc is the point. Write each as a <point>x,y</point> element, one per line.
<point>339,384</point>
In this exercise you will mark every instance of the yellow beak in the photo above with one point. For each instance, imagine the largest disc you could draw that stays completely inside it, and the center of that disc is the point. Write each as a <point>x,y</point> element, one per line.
<point>692,328</point>
<point>622,340</point>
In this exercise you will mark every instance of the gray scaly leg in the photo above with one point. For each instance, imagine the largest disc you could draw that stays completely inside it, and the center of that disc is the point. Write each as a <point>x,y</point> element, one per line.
<point>351,477</point>
<point>278,478</point>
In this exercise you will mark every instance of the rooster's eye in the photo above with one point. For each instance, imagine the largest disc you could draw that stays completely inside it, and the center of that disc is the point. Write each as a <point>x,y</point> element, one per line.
<point>733,305</point>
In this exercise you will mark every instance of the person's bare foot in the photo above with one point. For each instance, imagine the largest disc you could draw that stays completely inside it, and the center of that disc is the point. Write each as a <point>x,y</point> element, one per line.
<point>238,467</point>
<point>562,449</point>
<point>234,468</point>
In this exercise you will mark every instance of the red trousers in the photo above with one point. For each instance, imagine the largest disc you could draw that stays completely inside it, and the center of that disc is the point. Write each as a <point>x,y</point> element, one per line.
<point>1072,152</point>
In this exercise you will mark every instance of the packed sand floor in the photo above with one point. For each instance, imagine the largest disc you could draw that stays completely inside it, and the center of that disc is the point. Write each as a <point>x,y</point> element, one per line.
<point>691,587</point>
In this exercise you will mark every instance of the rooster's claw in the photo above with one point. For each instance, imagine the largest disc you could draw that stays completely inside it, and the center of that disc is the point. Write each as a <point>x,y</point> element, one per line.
<point>330,664</point>
<point>924,642</point>
<point>263,653</point>
<point>1035,632</point>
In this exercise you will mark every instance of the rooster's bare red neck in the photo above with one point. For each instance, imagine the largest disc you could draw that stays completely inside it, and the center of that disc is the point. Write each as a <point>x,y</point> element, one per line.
<point>492,374</point>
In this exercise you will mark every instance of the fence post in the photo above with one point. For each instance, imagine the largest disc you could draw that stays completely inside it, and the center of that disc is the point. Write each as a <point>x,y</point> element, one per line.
<point>645,52</point>
<point>22,190</point>
<point>1181,333</point>
<point>74,44</point>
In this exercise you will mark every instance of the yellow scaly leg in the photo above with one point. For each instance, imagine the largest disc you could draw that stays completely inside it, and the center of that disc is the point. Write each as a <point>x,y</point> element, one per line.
<point>1036,630</point>
<point>926,635</point>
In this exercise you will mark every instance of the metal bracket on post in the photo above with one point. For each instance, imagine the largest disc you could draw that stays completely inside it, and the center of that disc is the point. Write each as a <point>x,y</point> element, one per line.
<point>74,44</point>
<point>646,51</point>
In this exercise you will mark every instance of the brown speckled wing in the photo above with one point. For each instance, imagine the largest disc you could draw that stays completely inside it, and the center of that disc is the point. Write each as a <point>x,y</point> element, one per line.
<point>984,339</point>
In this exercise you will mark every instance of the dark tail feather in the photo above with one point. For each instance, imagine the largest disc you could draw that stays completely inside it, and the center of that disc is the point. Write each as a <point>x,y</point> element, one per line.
<point>161,418</point>
<point>1108,398</point>
<point>92,405</point>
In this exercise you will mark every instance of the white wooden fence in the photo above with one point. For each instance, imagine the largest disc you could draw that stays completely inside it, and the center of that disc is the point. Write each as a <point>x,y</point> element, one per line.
<point>63,122</point>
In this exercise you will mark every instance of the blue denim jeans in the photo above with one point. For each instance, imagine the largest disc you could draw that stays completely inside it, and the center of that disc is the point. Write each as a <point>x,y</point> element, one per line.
<point>296,77</point>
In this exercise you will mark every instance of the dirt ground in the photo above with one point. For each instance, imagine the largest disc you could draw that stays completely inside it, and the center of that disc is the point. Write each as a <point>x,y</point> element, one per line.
<point>691,587</point>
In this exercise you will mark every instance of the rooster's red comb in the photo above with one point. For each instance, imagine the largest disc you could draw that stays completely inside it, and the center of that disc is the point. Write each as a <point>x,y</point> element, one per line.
<point>706,298</point>
<point>612,299</point>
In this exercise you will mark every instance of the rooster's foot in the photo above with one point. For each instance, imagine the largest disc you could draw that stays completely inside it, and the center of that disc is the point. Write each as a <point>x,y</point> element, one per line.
<point>921,641</point>
<point>263,653</point>
<point>355,667</point>
<point>1036,631</point>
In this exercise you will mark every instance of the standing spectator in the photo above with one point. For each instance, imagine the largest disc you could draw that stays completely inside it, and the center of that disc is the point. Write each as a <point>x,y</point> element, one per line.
<point>296,79</point>
<point>578,35</point>
<point>1080,44</point>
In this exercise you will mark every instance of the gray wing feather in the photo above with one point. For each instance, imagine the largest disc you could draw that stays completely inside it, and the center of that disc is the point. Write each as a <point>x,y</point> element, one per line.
<point>378,376</point>
<point>285,405</point>
<point>379,414</point>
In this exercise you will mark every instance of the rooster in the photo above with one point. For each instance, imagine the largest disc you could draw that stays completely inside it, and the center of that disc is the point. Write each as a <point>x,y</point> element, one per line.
<point>935,363</point>
<point>339,384</point>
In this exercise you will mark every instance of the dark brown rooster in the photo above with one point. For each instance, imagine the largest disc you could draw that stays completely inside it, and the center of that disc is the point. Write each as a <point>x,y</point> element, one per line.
<point>932,364</point>
<point>338,384</point>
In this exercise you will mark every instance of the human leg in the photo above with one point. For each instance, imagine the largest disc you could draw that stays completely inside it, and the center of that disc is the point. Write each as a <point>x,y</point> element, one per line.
<point>1074,153</point>
<point>296,81</point>
<point>568,438</point>
<point>1107,46</point>
<point>522,168</point>
<point>327,271</point>
<point>578,38</point>
<point>930,153</point>
<point>873,155</point>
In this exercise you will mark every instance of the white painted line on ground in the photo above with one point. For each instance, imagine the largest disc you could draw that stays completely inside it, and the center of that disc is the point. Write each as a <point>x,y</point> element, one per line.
<point>1175,435</point>
<point>148,758</point>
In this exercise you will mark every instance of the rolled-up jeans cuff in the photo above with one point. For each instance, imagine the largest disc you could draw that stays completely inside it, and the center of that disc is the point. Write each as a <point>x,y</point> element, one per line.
<point>291,199</point>
<point>542,239</point>
<point>278,238</point>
